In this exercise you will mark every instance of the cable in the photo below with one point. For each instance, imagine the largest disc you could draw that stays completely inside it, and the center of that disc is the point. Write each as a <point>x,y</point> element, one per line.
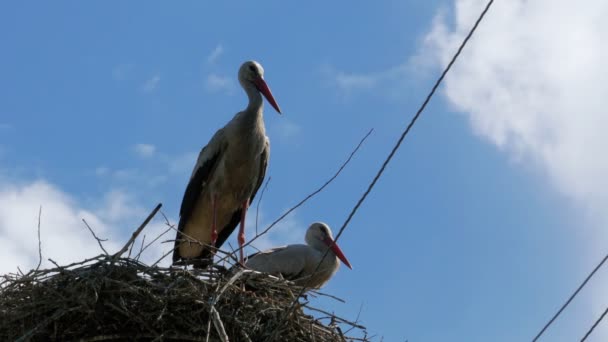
<point>570,299</point>
<point>393,151</point>
<point>594,325</point>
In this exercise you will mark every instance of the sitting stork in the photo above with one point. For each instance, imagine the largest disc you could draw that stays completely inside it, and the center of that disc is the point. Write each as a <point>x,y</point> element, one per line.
<point>303,264</point>
<point>226,177</point>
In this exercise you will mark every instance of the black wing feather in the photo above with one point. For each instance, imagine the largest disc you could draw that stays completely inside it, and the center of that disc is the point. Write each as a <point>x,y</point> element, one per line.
<point>191,196</point>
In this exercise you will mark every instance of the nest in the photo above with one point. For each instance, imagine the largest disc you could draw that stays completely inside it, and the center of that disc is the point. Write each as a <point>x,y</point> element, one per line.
<point>113,298</point>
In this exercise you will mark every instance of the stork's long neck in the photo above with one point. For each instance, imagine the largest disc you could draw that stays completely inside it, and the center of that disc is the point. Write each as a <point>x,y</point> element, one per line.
<point>250,122</point>
<point>253,114</point>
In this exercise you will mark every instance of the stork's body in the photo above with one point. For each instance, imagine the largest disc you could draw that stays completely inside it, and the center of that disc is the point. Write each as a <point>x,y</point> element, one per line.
<point>226,177</point>
<point>299,262</point>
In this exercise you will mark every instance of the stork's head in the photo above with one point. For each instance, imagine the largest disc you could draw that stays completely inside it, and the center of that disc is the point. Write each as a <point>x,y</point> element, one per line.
<point>319,237</point>
<point>251,76</point>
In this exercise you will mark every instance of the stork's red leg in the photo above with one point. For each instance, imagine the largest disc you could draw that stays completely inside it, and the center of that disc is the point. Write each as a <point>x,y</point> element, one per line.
<point>241,236</point>
<point>213,219</point>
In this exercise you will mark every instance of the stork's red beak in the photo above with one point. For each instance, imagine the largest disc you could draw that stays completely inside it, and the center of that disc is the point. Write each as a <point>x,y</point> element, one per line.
<point>334,247</point>
<point>263,88</point>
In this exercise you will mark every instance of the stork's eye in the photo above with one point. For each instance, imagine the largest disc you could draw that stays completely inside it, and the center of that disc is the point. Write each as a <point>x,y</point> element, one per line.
<point>252,68</point>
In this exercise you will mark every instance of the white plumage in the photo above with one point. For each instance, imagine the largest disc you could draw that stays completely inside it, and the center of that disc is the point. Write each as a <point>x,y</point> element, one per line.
<point>299,262</point>
<point>226,177</point>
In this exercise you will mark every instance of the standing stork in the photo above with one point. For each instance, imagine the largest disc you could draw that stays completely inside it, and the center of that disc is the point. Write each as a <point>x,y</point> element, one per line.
<point>226,177</point>
<point>299,262</point>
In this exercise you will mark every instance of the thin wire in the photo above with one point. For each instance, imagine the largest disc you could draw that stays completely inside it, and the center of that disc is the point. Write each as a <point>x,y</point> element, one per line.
<point>594,325</point>
<point>570,299</point>
<point>393,151</point>
<point>411,124</point>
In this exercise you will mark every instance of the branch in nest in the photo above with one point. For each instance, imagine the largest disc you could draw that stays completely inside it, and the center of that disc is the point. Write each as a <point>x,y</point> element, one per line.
<point>99,241</point>
<point>137,232</point>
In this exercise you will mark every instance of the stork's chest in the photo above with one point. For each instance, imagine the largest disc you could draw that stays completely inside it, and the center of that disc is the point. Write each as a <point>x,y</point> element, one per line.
<point>240,165</point>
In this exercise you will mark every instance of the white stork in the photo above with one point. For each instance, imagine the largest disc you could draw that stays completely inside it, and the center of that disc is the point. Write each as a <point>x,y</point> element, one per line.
<point>299,262</point>
<point>226,177</point>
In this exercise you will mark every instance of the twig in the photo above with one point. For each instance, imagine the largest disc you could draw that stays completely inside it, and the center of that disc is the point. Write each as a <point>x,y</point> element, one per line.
<point>353,324</point>
<point>57,265</point>
<point>151,242</point>
<point>219,326</point>
<point>99,241</point>
<point>45,322</point>
<point>357,319</point>
<point>168,224</point>
<point>328,295</point>
<point>190,239</point>
<point>162,257</point>
<point>39,240</point>
<point>141,247</point>
<point>136,233</point>
<point>313,193</point>
<point>230,282</point>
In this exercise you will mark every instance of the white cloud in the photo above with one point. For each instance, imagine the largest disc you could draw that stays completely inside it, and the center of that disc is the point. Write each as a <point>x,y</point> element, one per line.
<point>102,171</point>
<point>182,164</point>
<point>125,174</point>
<point>64,236</point>
<point>216,83</point>
<point>122,72</point>
<point>165,165</point>
<point>349,82</point>
<point>215,54</point>
<point>151,84</point>
<point>288,231</point>
<point>144,150</point>
<point>532,82</point>
<point>285,129</point>
<point>118,206</point>
<point>132,176</point>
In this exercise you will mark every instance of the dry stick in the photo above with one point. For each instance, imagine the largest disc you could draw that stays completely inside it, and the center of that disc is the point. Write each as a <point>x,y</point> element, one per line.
<point>141,247</point>
<point>395,148</point>
<point>45,322</point>
<point>162,257</point>
<point>594,325</point>
<point>327,295</point>
<point>356,319</point>
<point>99,241</point>
<point>213,312</point>
<point>136,233</point>
<point>257,208</point>
<point>219,326</point>
<point>187,237</point>
<point>190,239</point>
<point>336,318</point>
<point>314,192</point>
<point>153,241</point>
<point>39,240</point>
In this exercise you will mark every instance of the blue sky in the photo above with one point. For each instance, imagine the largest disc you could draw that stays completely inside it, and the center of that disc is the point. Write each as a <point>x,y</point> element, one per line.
<point>490,214</point>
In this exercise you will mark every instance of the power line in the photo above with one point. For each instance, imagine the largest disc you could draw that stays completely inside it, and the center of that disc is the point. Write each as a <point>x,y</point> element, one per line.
<point>594,325</point>
<point>393,151</point>
<point>411,124</point>
<point>570,299</point>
